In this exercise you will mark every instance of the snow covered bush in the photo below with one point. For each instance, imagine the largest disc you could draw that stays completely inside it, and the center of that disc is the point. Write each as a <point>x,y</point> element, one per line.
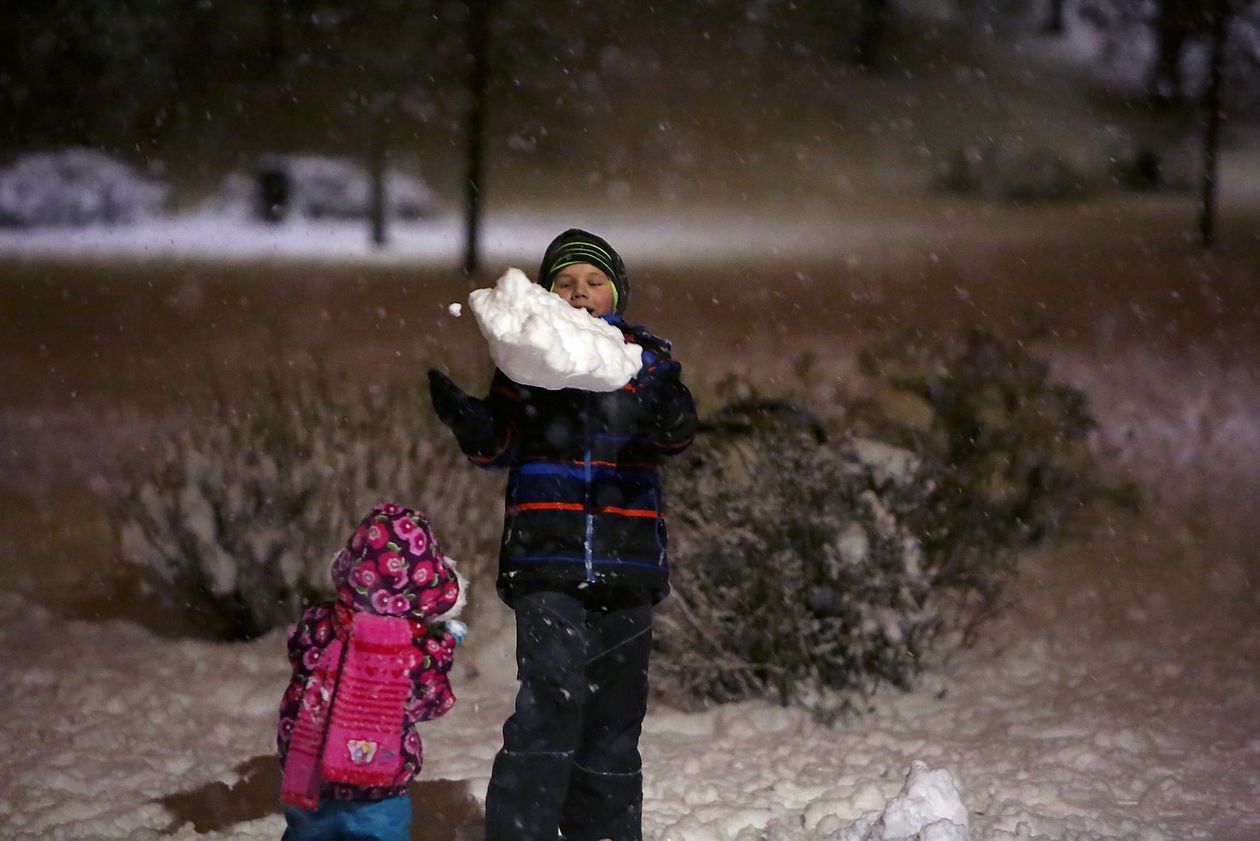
<point>320,187</point>
<point>1010,445</point>
<point>238,521</point>
<point>794,571</point>
<point>76,187</point>
<point>1010,172</point>
<point>814,567</point>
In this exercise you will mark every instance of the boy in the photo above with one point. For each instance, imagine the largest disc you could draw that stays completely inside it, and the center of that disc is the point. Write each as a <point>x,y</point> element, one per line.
<point>582,562</point>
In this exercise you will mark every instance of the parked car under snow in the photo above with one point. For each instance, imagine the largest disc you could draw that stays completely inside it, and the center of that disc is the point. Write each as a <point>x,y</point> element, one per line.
<point>76,187</point>
<point>319,187</point>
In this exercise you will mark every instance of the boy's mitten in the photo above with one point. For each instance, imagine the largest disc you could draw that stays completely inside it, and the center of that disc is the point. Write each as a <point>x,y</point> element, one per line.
<point>667,413</point>
<point>454,407</point>
<point>469,418</point>
<point>450,402</point>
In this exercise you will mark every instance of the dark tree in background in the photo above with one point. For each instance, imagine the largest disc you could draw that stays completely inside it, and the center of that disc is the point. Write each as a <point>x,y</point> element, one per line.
<point>204,88</point>
<point>1212,122</point>
<point>274,45</point>
<point>1175,27</point>
<point>875,17</point>
<point>381,81</point>
<point>459,58</point>
<point>1055,22</point>
<point>474,134</point>
<point>1176,23</point>
<point>72,68</point>
<point>241,78</point>
<point>1228,31</point>
<point>517,53</point>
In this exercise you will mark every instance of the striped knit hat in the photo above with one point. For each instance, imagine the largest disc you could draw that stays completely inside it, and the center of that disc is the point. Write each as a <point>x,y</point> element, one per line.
<point>577,246</point>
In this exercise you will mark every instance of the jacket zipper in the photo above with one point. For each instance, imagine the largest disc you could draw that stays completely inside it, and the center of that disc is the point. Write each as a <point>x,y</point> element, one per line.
<point>586,470</point>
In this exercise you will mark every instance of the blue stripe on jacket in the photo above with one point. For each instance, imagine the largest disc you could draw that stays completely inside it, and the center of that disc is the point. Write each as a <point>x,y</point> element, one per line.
<point>578,471</point>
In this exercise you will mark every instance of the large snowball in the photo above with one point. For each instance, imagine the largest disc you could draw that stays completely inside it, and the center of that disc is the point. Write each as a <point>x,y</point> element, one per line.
<point>537,339</point>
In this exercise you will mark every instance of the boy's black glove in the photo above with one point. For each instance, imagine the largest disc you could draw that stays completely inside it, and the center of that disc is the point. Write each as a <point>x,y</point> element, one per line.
<point>452,405</point>
<point>667,413</point>
<point>469,418</point>
<point>658,385</point>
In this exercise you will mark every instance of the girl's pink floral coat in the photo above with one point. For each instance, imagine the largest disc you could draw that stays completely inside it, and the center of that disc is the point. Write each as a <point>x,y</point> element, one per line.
<point>390,566</point>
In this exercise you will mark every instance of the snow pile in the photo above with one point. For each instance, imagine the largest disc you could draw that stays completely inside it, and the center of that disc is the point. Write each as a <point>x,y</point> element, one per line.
<point>537,339</point>
<point>75,187</point>
<point>928,808</point>
<point>321,187</point>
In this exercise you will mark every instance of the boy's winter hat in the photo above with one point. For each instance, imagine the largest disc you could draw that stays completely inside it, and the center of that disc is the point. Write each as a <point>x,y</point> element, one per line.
<point>577,246</point>
<point>393,566</point>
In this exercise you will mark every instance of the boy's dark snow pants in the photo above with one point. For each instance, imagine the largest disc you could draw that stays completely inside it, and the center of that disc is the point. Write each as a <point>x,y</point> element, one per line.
<point>570,757</point>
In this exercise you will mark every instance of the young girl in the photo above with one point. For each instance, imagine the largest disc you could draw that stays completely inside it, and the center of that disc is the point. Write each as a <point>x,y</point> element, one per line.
<point>367,668</point>
<point>582,562</point>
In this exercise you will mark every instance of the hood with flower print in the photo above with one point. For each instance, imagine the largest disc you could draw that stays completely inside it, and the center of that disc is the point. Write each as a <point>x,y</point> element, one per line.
<point>393,566</point>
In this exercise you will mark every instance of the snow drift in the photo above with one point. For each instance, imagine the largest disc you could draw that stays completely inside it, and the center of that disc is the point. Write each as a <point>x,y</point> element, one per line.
<point>76,187</point>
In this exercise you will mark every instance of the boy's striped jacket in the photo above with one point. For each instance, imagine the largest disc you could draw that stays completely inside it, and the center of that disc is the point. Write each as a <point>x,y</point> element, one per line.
<point>583,500</point>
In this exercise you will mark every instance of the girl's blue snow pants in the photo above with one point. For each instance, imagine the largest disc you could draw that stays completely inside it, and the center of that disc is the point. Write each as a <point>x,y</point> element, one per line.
<point>360,820</point>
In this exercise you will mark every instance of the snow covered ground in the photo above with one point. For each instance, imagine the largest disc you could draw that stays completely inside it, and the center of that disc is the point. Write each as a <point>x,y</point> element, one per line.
<point>436,241</point>
<point>697,234</point>
<point>1089,713</point>
<point>1117,699</point>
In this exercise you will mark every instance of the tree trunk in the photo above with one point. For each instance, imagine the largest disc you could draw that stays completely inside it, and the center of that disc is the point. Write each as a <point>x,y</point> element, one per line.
<point>1176,23</point>
<point>875,17</point>
<point>1055,22</point>
<point>377,198</point>
<point>1212,125</point>
<point>479,12</point>
<point>273,50</point>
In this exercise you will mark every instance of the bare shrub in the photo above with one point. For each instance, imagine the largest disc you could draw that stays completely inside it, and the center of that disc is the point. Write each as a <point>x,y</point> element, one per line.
<point>813,567</point>
<point>237,522</point>
<point>1011,172</point>
<point>1011,446</point>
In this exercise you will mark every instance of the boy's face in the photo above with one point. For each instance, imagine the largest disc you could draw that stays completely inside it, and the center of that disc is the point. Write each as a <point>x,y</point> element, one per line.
<point>585,287</point>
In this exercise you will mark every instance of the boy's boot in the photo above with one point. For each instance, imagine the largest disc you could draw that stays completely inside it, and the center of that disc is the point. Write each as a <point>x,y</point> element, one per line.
<point>603,805</point>
<point>525,796</point>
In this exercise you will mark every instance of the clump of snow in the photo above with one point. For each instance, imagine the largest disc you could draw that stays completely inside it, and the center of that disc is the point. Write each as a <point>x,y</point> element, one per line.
<point>928,808</point>
<point>456,309</point>
<point>537,339</point>
<point>76,187</point>
<point>886,462</point>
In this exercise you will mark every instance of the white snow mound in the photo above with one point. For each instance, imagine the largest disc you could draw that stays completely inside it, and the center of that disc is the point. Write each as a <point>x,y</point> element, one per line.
<point>537,339</point>
<point>928,808</point>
